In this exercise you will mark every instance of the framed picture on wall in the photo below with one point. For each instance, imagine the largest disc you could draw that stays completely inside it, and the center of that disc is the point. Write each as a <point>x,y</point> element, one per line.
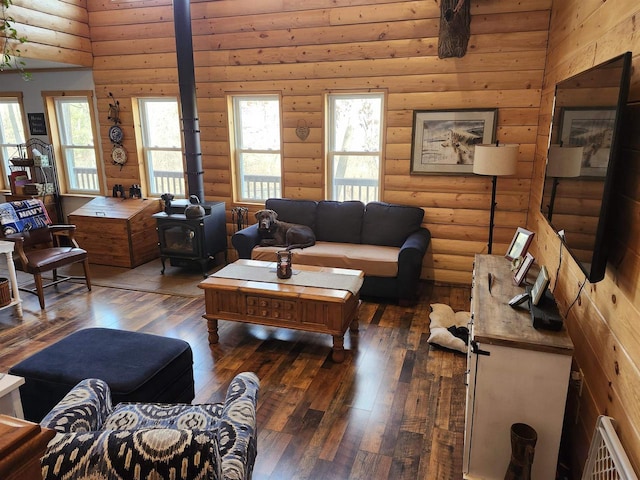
<point>592,129</point>
<point>444,141</point>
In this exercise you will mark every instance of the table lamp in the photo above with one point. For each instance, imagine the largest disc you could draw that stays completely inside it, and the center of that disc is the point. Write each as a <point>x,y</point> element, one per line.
<point>495,160</point>
<point>562,162</point>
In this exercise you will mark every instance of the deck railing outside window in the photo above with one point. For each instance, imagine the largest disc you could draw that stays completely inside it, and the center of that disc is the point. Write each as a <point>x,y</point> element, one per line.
<point>264,186</point>
<point>363,189</point>
<point>255,186</point>
<point>169,182</point>
<point>172,182</point>
<point>86,179</point>
<point>261,186</point>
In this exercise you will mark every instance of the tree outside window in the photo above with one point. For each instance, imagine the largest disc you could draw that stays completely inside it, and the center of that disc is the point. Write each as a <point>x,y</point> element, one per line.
<point>355,146</point>
<point>257,146</point>
<point>77,143</point>
<point>11,133</point>
<point>162,145</point>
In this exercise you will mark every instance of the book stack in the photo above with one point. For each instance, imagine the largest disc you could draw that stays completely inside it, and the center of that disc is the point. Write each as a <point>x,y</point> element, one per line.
<point>38,188</point>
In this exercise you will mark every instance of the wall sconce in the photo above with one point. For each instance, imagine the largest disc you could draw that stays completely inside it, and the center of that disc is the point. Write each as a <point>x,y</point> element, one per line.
<point>562,162</point>
<point>495,160</point>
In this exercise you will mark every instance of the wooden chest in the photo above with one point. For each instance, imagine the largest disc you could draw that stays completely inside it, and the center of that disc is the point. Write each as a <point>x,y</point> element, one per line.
<point>118,232</point>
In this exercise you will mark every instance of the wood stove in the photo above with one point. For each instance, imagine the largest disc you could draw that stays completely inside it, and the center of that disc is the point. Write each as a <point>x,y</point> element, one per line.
<point>188,241</point>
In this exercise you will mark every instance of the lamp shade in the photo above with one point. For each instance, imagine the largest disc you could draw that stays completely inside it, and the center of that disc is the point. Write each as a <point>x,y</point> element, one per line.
<point>495,159</point>
<point>564,161</point>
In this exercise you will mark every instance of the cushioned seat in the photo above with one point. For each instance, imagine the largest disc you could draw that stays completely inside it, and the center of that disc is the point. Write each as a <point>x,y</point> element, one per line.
<point>138,367</point>
<point>373,260</point>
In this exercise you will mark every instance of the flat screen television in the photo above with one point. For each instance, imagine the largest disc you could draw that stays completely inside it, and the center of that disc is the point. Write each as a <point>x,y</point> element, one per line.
<point>582,160</point>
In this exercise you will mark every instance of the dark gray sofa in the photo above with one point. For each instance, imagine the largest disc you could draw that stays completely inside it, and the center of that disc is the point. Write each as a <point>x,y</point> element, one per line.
<point>384,240</point>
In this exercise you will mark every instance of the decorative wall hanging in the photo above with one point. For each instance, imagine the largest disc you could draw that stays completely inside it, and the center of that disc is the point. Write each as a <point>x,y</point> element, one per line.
<point>302,130</point>
<point>116,135</point>
<point>119,155</point>
<point>444,141</point>
<point>455,28</point>
<point>114,110</point>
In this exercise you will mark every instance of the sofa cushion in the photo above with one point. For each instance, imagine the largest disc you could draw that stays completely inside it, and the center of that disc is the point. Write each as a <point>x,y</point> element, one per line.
<point>373,260</point>
<point>388,224</point>
<point>339,221</point>
<point>302,212</point>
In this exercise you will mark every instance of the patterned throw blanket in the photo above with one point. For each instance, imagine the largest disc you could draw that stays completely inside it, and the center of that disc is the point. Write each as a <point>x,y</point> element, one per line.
<point>23,215</point>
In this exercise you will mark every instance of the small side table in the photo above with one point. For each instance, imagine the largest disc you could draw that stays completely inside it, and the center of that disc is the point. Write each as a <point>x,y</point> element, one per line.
<point>10,403</point>
<point>7,249</point>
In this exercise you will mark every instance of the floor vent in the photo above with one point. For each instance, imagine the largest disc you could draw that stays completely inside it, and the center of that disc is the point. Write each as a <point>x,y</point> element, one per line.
<point>607,459</point>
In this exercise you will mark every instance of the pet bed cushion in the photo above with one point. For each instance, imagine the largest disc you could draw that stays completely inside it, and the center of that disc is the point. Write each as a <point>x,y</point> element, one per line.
<point>442,319</point>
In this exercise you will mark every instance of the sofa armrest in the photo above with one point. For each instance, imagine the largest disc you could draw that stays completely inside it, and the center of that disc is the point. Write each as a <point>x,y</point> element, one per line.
<point>83,409</point>
<point>237,428</point>
<point>410,264</point>
<point>244,240</point>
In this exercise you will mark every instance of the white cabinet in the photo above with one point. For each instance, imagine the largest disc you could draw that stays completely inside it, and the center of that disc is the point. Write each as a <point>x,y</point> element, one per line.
<point>516,374</point>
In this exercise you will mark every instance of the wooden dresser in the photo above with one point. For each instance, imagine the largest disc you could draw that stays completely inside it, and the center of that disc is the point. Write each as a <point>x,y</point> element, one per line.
<point>117,232</point>
<point>22,444</point>
<point>516,374</point>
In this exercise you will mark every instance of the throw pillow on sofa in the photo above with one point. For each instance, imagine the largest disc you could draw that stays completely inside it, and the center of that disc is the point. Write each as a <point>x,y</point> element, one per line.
<point>387,224</point>
<point>339,221</point>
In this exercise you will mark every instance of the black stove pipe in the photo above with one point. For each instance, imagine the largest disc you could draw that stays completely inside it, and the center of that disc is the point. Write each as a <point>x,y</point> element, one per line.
<point>187,83</point>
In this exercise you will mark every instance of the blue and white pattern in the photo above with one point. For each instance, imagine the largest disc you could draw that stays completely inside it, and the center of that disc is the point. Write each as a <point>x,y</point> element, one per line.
<point>159,441</point>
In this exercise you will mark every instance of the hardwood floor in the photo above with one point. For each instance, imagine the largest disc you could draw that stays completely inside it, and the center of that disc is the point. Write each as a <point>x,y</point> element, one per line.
<point>394,409</point>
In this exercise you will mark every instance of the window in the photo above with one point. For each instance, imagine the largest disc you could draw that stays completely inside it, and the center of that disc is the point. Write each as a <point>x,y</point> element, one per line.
<point>354,146</point>
<point>11,132</point>
<point>257,147</point>
<point>77,140</point>
<point>162,145</point>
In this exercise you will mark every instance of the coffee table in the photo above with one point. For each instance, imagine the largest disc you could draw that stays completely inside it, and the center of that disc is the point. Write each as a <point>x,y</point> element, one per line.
<point>314,299</point>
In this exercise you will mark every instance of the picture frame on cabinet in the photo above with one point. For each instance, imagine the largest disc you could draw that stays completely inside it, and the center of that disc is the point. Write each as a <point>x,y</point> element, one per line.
<point>520,243</point>
<point>539,286</point>
<point>443,141</point>
<point>523,269</point>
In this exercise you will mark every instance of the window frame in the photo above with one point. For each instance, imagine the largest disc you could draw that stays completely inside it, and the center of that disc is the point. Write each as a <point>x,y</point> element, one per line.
<point>330,153</point>
<point>142,137</point>
<point>235,125</point>
<point>62,167</point>
<point>5,168</point>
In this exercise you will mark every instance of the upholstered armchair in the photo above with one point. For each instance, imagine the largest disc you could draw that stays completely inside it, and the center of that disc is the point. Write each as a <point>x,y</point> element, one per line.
<point>38,245</point>
<point>161,441</point>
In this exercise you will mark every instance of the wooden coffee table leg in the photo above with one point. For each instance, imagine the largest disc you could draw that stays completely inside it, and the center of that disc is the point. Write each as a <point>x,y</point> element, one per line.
<point>337,355</point>
<point>212,325</point>
<point>353,326</point>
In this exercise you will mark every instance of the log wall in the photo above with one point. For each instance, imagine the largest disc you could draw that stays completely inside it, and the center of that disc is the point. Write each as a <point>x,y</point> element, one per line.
<point>604,320</point>
<point>57,30</point>
<point>304,49</point>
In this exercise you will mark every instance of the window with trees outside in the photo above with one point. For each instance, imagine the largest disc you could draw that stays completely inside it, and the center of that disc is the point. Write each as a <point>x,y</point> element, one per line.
<point>354,146</point>
<point>162,145</point>
<point>11,133</point>
<point>74,123</point>
<point>257,147</point>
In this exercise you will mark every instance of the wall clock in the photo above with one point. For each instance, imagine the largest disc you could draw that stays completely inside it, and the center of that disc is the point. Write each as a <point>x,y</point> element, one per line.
<point>119,155</point>
<point>115,134</point>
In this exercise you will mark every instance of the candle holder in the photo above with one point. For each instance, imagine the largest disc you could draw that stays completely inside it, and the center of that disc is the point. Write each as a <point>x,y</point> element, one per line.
<point>283,269</point>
